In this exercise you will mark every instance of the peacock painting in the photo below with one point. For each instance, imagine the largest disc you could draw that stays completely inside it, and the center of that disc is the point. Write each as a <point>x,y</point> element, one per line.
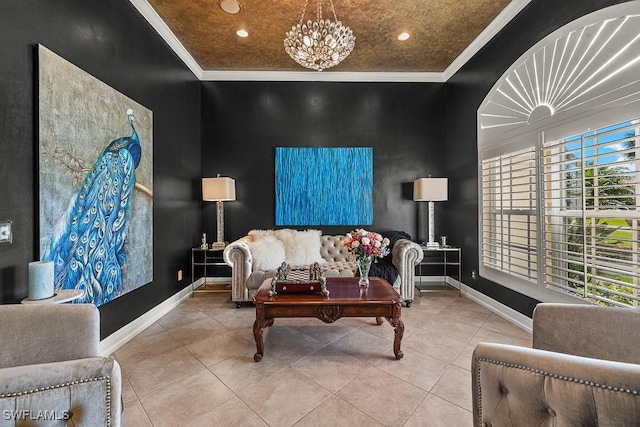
<point>88,244</point>
<point>95,197</point>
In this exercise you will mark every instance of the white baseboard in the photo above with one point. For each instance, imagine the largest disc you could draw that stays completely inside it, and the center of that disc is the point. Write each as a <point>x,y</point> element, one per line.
<point>507,313</point>
<point>212,280</point>
<point>120,337</point>
<point>449,279</point>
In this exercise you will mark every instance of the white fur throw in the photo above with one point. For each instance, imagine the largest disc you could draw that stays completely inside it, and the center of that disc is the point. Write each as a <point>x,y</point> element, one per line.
<point>261,233</point>
<point>301,247</point>
<point>270,248</point>
<point>267,251</point>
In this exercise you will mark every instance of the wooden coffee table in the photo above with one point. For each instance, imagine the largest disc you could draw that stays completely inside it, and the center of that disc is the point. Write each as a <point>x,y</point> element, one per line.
<point>346,299</point>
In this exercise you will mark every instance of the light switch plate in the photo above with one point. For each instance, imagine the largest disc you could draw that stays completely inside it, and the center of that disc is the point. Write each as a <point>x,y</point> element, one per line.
<point>6,235</point>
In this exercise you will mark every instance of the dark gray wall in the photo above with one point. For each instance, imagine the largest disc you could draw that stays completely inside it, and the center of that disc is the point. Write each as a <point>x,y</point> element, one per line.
<point>243,122</point>
<point>110,40</point>
<point>465,92</point>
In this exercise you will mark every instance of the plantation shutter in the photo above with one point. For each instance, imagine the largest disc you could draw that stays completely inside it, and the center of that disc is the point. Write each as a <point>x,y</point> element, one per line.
<point>508,216</point>
<point>591,194</point>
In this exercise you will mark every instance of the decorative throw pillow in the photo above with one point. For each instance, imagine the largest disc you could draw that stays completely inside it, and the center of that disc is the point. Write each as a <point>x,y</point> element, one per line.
<point>267,251</point>
<point>301,247</point>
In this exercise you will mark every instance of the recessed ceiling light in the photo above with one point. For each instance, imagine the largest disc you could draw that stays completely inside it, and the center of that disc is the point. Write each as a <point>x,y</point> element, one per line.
<point>230,6</point>
<point>242,32</point>
<point>403,36</point>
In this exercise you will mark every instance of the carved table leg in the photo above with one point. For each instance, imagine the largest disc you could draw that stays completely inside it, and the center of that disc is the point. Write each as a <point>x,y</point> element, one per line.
<point>258,327</point>
<point>257,334</point>
<point>379,320</point>
<point>398,327</point>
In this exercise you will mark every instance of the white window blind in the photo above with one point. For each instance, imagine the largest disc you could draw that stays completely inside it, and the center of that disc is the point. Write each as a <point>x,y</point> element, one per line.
<point>508,216</point>
<point>591,216</point>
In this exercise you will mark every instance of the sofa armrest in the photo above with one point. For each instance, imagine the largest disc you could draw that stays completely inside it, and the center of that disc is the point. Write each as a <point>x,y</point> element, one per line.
<point>66,331</point>
<point>237,255</point>
<point>587,330</point>
<point>405,255</point>
<point>88,391</point>
<point>515,386</point>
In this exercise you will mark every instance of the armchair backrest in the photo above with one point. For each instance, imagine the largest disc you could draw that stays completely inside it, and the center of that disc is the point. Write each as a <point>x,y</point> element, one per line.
<point>587,330</point>
<point>43,333</point>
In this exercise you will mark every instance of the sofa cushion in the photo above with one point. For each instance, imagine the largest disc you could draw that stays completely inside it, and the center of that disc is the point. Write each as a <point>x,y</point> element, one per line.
<point>301,247</point>
<point>339,269</point>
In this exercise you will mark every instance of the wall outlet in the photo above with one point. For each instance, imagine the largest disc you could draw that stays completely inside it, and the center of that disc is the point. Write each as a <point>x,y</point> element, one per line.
<point>473,274</point>
<point>6,235</point>
<point>179,275</point>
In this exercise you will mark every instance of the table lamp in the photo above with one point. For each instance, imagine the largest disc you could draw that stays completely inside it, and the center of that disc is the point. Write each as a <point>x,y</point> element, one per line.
<point>430,190</point>
<point>219,189</point>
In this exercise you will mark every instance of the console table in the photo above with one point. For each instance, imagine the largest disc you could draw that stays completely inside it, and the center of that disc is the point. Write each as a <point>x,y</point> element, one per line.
<point>205,260</point>
<point>448,258</point>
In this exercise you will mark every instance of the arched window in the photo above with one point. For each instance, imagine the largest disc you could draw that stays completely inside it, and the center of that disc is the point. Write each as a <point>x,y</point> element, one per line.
<point>559,169</point>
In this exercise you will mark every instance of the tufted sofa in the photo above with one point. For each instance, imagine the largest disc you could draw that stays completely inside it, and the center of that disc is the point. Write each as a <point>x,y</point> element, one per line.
<point>246,278</point>
<point>583,370</point>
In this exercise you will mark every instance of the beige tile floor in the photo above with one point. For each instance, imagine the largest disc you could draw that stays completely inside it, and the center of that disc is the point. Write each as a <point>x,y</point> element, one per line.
<point>194,367</point>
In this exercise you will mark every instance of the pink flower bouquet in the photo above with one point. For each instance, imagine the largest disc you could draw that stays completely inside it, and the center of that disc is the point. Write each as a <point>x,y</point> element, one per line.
<point>366,244</point>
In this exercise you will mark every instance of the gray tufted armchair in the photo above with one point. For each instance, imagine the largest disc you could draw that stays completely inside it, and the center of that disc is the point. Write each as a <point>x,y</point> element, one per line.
<point>583,370</point>
<point>50,370</point>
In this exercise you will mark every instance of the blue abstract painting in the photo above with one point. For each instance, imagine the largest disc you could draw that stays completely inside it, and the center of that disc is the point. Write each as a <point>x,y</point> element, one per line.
<point>324,186</point>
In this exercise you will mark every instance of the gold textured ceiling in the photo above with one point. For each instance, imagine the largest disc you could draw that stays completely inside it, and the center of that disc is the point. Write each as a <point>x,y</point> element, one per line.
<point>440,30</point>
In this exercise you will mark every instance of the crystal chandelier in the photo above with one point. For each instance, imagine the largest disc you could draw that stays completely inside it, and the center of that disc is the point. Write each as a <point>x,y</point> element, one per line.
<point>319,44</point>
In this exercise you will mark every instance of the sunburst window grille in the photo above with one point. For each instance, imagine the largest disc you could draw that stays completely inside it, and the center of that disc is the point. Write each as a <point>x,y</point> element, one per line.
<point>590,66</point>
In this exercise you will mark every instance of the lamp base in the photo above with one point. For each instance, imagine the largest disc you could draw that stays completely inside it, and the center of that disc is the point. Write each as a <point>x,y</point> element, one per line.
<point>433,245</point>
<point>218,245</point>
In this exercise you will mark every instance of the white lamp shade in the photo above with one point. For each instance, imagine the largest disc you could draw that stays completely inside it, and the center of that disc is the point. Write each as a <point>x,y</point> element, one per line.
<point>430,189</point>
<point>217,189</point>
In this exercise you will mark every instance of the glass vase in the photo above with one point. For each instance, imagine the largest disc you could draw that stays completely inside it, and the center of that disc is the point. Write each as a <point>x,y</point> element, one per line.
<point>364,264</point>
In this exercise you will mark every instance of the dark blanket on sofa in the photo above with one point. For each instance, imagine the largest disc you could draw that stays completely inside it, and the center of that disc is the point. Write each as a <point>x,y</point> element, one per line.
<point>384,268</point>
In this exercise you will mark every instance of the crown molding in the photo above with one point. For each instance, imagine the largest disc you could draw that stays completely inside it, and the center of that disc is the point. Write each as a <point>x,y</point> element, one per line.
<point>500,21</point>
<point>170,38</point>
<point>163,30</point>
<point>320,76</point>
